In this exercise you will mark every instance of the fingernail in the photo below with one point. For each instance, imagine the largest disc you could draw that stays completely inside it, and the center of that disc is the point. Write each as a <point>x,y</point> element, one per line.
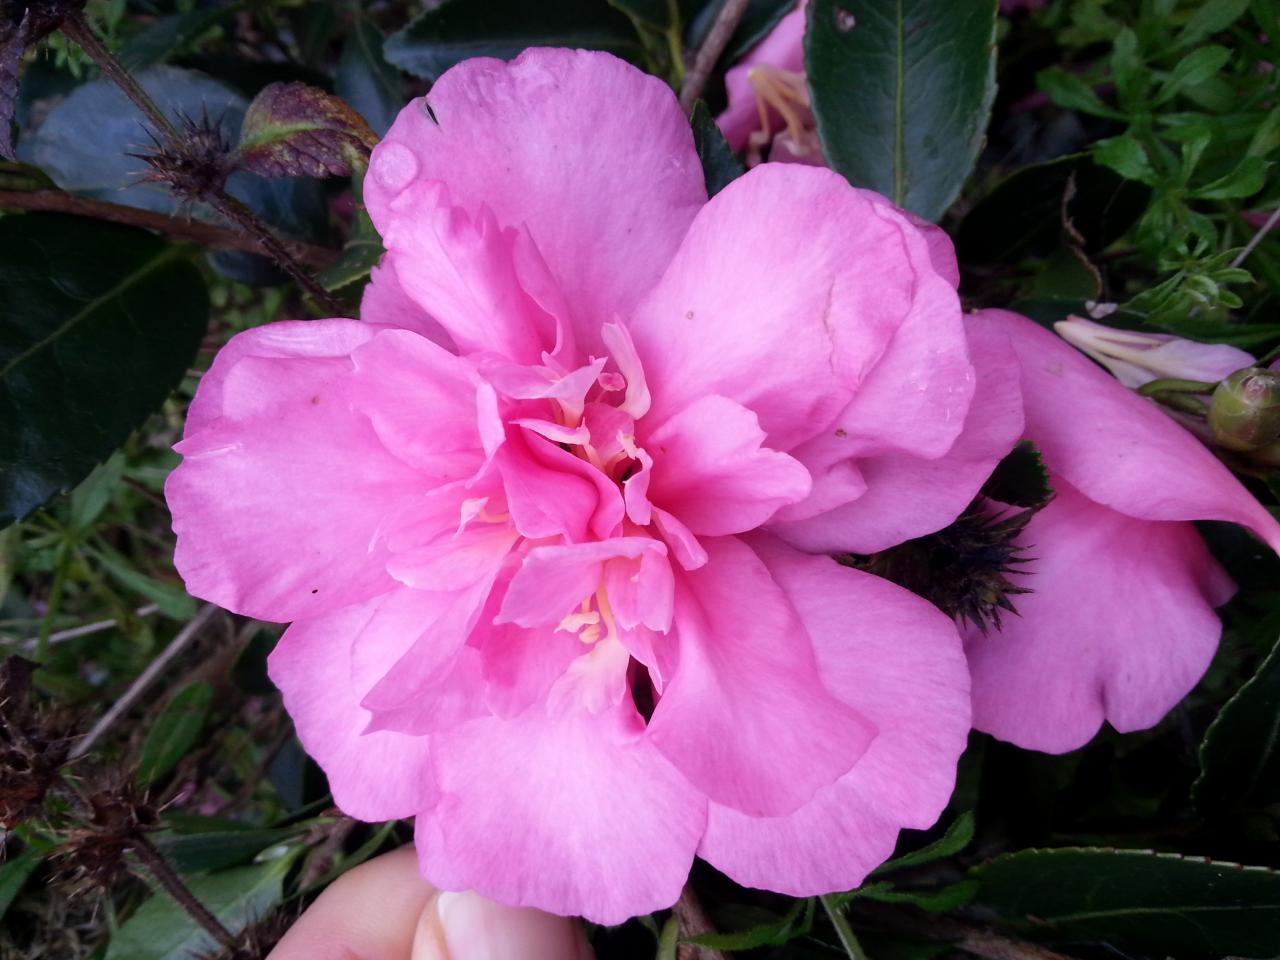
<point>474,928</point>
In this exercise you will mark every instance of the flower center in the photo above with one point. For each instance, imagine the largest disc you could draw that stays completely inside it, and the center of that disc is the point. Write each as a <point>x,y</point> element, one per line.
<point>785,93</point>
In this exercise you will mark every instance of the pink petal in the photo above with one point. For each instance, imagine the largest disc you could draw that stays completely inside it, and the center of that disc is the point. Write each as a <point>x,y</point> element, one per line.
<point>591,154</point>
<point>279,504</point>
<point>783,48</point>
<point>907,496</point>
<point>385,302</point>
<point>313,667</point>
<point>1119,626</point>
<point>786,290</point>
<point>586,817</point>
<point>551,493</point>
<point>899,663</point>
<point>1109,443</point>
<point>711,470</point>
<point>745,715</point>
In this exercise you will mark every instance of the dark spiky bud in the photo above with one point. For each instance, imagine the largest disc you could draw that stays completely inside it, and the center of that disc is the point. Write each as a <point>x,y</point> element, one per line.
<point>33,745</point>
<point>93,853</point>
<point>965,570</point>
<point>195,166</point>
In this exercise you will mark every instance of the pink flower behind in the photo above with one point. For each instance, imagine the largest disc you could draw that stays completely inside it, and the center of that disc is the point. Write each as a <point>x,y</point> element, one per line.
<point>540,584</point>
<point>769,113</point>
<point>1120,623</point>
<point>1138,358</point>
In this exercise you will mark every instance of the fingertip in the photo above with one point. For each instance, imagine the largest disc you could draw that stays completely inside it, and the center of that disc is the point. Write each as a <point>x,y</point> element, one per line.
<point>467,926</point>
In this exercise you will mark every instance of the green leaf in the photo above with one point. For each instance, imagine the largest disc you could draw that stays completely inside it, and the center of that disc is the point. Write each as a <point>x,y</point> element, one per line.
<point>1126,157</point>
<point>174,732</point>
<point>161,930</point>
<point>719,166</point>
<point>1244,181</point>
<point>1195,68</point>
<point>16,871</point>
<point>171,598</point>
<point>902,92</point>
<point>958,836</point>
<point>1130,72</point>
<point>459,29</point>
<point>296,130</point>
<point>98,323</point>
<point>1020,480</point>
<point>1067,90</point>
<point>1156,904</point>
<point>796,923</point>
<point>91,497</point>
<point>171,35</point>
<point>1240,753</point>
<point>23,176</point>
<point>365,79</point>
<point>1210,17</point>
<point>219,849</point>
<point>937,900</point>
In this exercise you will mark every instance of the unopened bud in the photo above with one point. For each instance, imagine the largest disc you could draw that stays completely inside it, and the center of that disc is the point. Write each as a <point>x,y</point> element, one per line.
<point>1244,413</point>
<point>1139,358</point>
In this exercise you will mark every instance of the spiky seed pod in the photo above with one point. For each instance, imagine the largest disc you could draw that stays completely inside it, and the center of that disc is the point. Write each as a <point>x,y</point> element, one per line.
<point>93,854</point>
<point>33,745</point>
<point>965,569</point>
<point>194,167</point>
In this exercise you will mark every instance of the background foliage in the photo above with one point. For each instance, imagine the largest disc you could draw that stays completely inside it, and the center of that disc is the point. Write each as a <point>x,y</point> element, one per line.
<point>1080,152</point>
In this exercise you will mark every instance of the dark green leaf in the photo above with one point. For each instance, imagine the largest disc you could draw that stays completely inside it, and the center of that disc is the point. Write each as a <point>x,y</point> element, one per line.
<point>23,176</point>
<point>219,849</point>
<point>719,166</point>
<point>1022,216</point>
<point>1240,753</point>
<point>161,930</point>
<point>1212,16</point>
<point>296,130</point>
<point>365,79</point>
<point>1126,157</point>
<point>1156,904</point>
<point>1068,90</point>
<point>91,497</point>
<point>902,92</point>
<point>172,599</point>
<point>459,29</point>
<point>170,35</point>
<point>98,323</point>
<point>1020,480</point>
<point>174,733</point>
<point>1245,180</point>
<point>16,871</point>
<point>797,922</point>
<point>937,900</point>
<point>958,836</point>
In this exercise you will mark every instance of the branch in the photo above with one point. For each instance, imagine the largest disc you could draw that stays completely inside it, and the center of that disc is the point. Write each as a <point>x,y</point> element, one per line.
<point>721,31</point>
<point>694,923</point>
<point>196,231</point>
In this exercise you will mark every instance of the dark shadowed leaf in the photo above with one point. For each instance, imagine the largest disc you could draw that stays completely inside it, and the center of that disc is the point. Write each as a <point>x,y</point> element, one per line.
<point>170,35</point>
<point>1240,753</point>
<point>161,930</point>
<point>1020,479</point>
<point>296,130</point>
<point>365,79</point>
<point>719,166</point>
<point>1154,904</point>
<point>958,836</point>
<point>17,870</point>
<point>459,29</point>
<point>797,922</point>
<point>98,323</point>
<point>219,849</point>
<point>1023,215</point>
<point>174,732</point>
<point>23,176</point>
<point>901,93</point>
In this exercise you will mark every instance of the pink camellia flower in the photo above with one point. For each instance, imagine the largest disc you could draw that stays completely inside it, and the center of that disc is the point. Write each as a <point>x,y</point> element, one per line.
<point>769,114</point>
<point>1138,358</point>
<point>532,517</point>
<point>1120,623</point>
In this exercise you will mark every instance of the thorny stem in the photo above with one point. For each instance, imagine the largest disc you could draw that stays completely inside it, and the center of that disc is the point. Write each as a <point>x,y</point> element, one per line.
<point>726,22</point>
<point>694,923</point>
<point>847,938</point>
<point>79,30</point>
<point>234,210</point>
<point>164,874</point>
<point>197,231</point>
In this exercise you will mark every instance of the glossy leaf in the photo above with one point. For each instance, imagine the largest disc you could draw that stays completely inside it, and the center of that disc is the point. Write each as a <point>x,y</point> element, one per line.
<point>719,166</point>
<point>98,323</point>
<point>902,92</point>
<point>458,29</point>
<point>174,732</point>
<point>1136,901</point>
<point>365,79</point>
<point>1240,753</point>
<point>161,930</point>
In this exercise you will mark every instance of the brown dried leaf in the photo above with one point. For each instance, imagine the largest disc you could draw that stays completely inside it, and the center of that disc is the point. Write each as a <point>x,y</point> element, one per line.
<point>292,129</point>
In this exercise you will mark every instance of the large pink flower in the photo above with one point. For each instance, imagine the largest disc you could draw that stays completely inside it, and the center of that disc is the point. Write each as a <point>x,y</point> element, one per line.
<point>1120,623</point>
<point>539,576</point>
